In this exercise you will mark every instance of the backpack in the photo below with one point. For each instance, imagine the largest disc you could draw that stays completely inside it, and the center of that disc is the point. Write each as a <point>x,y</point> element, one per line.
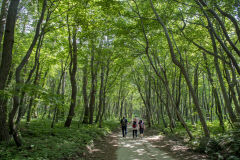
<point>134,124</point>
<point>124,122</point>
<point>142,125</point>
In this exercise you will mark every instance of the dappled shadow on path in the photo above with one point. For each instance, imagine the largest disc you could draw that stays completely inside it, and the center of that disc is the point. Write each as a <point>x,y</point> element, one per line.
<point>151,147</point>
<point>175,148</point>
<point>139,149</point>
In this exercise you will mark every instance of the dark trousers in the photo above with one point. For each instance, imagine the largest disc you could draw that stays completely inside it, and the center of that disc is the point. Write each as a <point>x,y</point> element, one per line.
<point>134,133</point>
<point>141,130</point>
<point>124,131</point>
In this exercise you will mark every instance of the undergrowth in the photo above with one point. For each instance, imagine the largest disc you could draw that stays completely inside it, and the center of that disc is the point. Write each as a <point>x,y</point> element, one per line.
<point>222,144</point>
<point>42,142</point>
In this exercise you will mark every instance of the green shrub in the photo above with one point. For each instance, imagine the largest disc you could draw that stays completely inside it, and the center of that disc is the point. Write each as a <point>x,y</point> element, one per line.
<point>42,142</point>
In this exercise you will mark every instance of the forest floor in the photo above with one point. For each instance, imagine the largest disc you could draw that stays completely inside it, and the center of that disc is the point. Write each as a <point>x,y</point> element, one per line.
<point>152,147</point>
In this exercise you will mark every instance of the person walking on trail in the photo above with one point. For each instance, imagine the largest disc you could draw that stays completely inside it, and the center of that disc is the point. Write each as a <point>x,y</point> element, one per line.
<point>141,128</point>
<point>135,127</point>
<point>124,126</point>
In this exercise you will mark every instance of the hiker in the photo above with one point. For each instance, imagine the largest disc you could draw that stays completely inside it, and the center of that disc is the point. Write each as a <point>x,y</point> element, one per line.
<point>135,127</point>
<point>124,126</point>
<point>141,128</point>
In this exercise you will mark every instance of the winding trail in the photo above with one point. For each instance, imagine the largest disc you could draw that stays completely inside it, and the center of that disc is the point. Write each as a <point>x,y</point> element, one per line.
<point>139,149</point>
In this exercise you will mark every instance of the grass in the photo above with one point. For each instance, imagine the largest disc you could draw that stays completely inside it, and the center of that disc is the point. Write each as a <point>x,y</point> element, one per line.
<point>41,142</point>
<point>195,129</point>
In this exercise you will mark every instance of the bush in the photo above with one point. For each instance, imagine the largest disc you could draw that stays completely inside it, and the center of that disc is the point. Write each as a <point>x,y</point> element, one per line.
<point>42,142</point>
<point>226,146</point>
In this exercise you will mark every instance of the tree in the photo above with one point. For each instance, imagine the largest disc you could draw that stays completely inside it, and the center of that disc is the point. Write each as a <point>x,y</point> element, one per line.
<point>6,64</point>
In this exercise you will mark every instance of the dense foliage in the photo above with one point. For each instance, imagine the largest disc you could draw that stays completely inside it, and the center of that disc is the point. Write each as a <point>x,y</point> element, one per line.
<point>173,62</point>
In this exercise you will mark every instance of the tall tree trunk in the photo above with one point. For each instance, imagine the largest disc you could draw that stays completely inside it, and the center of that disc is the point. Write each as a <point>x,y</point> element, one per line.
<point>6,65</point>
<point>216,97</point>
<point>93,87</point>
<point>181,67</point>
<point>235,82</point>
<point>231,88</point>
<point>156,71</point>
<point>104,94</point>
<point>3,17</point>
<point>100,94</point>
<point>119,98</point>
<point>72,71</point>
<point>22,106</point>
<point>216,63</point>
<point>84,92</point>
<point>56,110</point>
<point>12,128</point>
<point>121,107</point>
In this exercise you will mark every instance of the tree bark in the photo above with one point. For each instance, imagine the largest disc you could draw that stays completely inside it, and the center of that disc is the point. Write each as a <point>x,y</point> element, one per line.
<point>231,88</point>
<point>222,26</point>
<point>176,62</point>
<point>216,63</point>
<point>216,97</point>
<point>100,94</point>
<point>93,88</point>
<point>104,94</point>
<point>3,17</point>
<point>72,71</point>
<point>12,114</point>
<point>56,110</point>
<point>234,21</point>
<point>84,92</point>
<point>22,106</point>
<point>6,65</point>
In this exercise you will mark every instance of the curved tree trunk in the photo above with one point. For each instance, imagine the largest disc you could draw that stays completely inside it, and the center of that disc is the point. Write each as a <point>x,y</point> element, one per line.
<point>215,94</point>
<point>16,102</point>
<point>216,63</point>
<point>181,67</point>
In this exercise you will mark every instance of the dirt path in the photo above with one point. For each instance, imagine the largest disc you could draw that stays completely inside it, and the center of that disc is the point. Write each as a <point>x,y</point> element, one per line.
<point>139,149</point>
<point>151,147</point>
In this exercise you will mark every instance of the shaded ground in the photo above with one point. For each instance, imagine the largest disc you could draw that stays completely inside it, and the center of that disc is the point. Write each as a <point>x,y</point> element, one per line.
<point>174,146</point>
<point>151,147</point>
<point>104,149</point>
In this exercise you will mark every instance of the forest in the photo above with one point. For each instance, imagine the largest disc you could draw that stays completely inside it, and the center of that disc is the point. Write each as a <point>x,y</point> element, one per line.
<point>71,69</point>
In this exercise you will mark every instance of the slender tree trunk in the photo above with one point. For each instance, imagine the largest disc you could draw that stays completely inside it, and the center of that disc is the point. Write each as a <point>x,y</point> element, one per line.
<point>72,71</point>
<point>221,25</point>
<point>100,94</point>
<point>158,74</point>
<point>84,92</point>
<point>217,102</point>
<point>231,88</point>
<point>119,98</point>
<point>56,110</point>
<point>235,82</point>
<point>12,114</point>
<point>93,88</point>
<point>121,107</point>
<point>216,63</point>
<point>22,106</point>
<point>181,67</point>
<point>104,95</point>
